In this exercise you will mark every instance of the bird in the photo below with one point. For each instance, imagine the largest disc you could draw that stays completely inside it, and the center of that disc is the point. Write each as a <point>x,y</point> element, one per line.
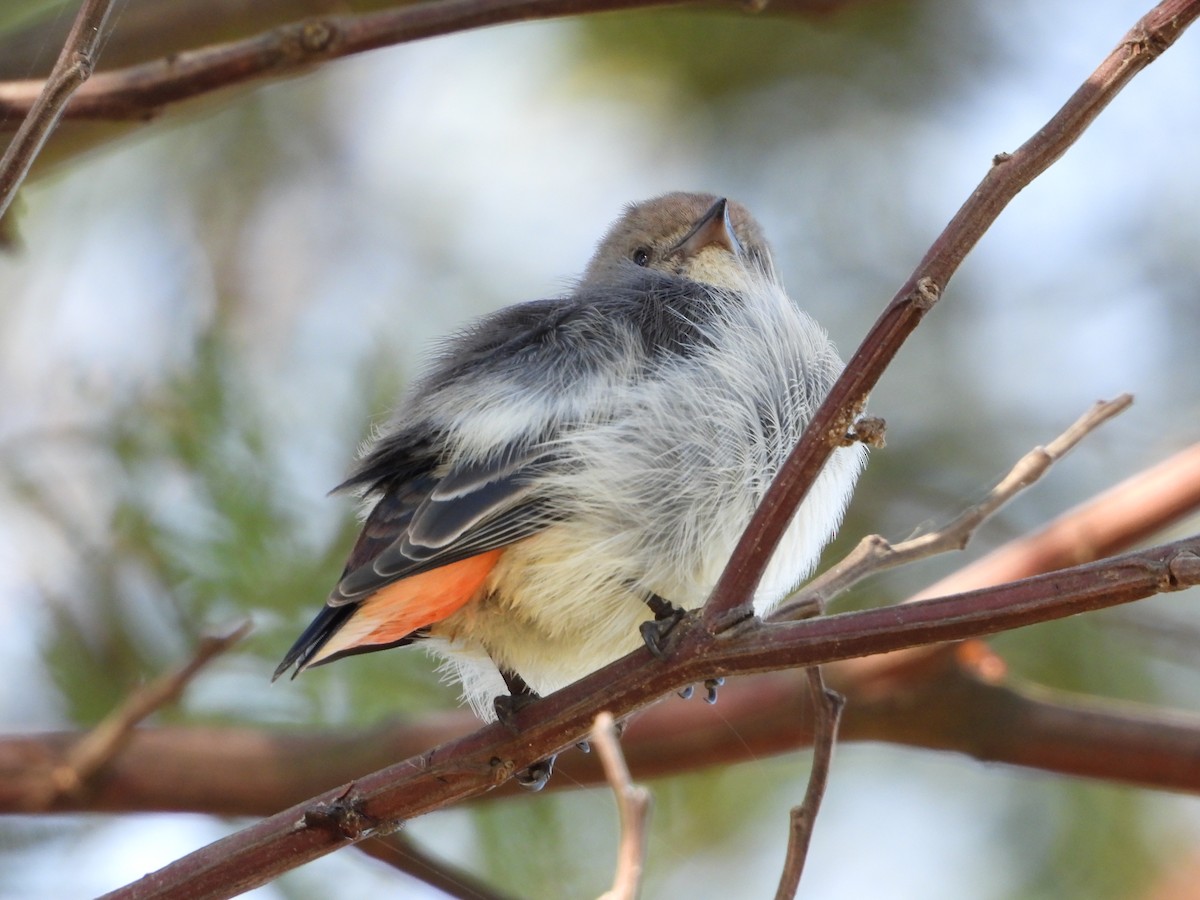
<point>569,469</point>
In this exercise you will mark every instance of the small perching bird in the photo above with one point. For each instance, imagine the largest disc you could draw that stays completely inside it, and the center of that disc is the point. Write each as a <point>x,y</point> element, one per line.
<point>570,468</point>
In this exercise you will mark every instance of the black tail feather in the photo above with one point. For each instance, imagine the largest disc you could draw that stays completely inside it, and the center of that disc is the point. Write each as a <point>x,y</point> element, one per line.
<point>320,630</point>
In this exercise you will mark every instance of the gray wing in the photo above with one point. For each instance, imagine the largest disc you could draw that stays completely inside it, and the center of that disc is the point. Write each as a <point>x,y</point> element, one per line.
<point>434,521</point>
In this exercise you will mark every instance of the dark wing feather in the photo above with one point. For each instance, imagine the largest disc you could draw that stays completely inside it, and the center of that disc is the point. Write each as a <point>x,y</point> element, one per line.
<point>466,512</point>
<point>423,524</point>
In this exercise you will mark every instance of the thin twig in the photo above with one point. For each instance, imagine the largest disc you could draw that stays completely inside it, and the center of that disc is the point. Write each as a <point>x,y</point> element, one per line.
<point>73,68</point>
<point>1121,517</point>
<point>875,554</point>
<point>633,809</point>
<point>402,854</point>
<point>827,708</point>
<point>95,749</point>
<point>730,603</point>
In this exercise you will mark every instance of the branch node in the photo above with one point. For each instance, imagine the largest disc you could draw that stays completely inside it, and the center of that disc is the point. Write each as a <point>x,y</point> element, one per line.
<point>869,430</point>
<point>502,770</point>
<point>1183,571</point>
<point>317,35</point>
<point>82,67</point>
<point>346,816</point>
<point>1001,158</point>
<point>1151,40</point>
<point>731,619</point>
<point>925,294</point>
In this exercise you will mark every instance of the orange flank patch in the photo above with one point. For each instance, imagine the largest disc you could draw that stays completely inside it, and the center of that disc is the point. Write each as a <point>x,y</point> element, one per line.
<point>396,611</point>
<point>401,608</point>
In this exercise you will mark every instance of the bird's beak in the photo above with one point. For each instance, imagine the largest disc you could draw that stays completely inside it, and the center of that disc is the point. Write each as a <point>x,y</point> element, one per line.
<point>714,228</point>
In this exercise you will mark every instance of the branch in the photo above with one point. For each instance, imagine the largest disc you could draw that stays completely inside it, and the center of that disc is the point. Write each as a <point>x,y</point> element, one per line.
<point>633,809</point>
<point>937,704</point>
<point>142,91</point>
<point>72,69</point>
<point>828,706</point>
<point>474,765</point>
<point>248,772</point>
<point>1127,514</point>
<point>729,603</point>
<point>875,554</point>
<point>471,766</point>
<point>1121,517</point>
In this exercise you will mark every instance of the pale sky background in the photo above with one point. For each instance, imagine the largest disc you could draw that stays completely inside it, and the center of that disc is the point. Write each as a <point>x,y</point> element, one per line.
<point>518,150</point>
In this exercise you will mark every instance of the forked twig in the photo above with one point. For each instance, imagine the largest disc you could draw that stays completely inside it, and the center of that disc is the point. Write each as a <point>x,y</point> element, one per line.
<point>73,68</point>
<point>633,808</point>
<point>875,554</point>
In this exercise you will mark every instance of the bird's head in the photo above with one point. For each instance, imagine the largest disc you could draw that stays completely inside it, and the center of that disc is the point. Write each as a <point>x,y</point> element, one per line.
<point>697,236</point>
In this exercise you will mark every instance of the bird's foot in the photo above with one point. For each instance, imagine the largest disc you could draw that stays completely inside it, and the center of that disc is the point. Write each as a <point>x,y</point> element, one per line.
<point>508,705</point>
<point>666,616</point>
<point>710,686</point>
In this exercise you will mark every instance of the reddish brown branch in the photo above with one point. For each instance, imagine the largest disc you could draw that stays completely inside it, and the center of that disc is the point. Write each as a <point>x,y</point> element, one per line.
<point>150,28</point>
<point>1009,175</point>
<point>474,765</point>
<point>242,771</point>
<point>944,703</point>
<point>142,91</point>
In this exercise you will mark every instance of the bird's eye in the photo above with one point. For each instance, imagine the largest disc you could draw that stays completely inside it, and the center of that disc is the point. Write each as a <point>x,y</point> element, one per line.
<point>641,256</point>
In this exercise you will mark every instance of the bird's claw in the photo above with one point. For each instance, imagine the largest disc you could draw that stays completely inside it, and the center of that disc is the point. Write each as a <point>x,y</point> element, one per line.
<point>535,777</point>
<point>711,685</point>
<point>508,705</point>
<point>666,616</point>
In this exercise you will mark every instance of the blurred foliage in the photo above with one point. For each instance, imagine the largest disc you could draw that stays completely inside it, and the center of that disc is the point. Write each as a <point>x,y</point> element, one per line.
<point>183,507</point>
<point>1100,821</point>
<point>723,55</point>
<point>202,530</point>
<point>18,14</point>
